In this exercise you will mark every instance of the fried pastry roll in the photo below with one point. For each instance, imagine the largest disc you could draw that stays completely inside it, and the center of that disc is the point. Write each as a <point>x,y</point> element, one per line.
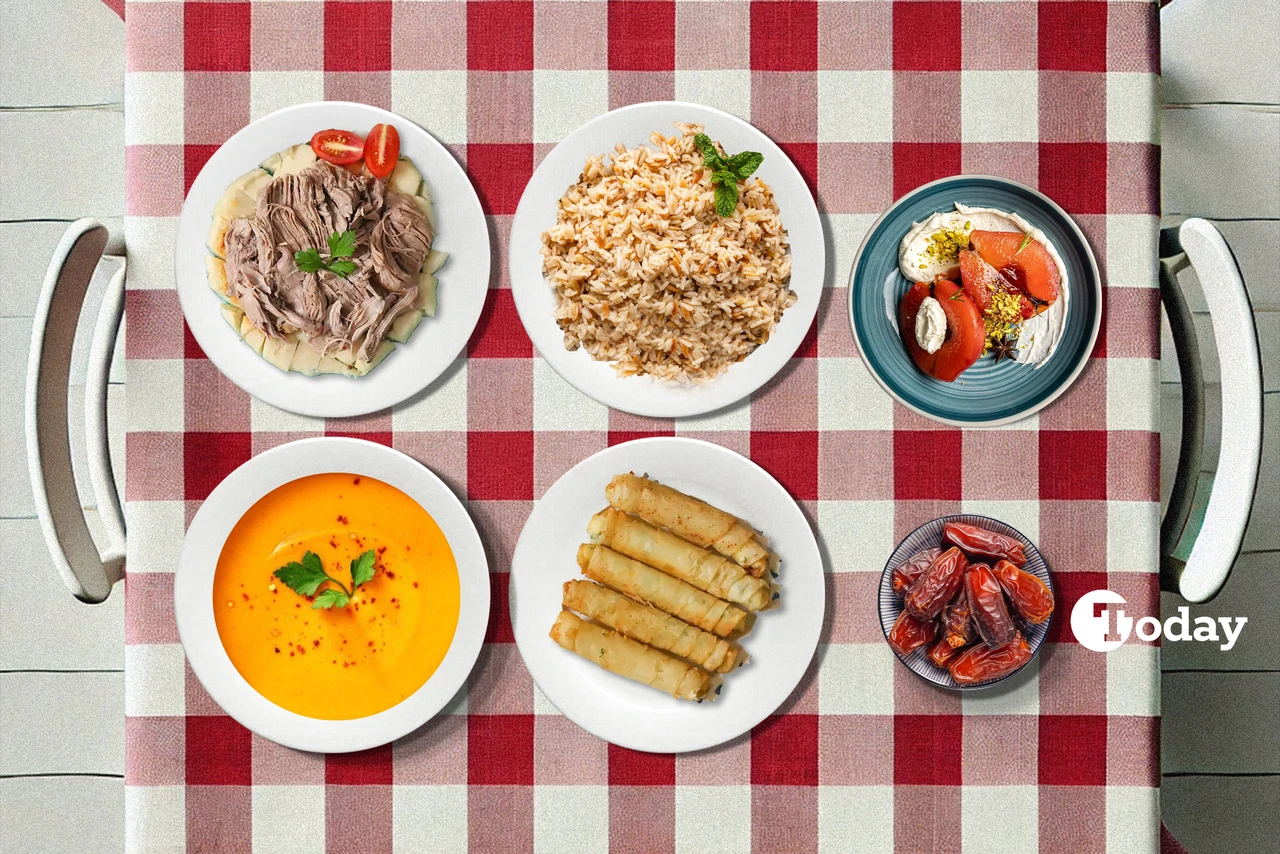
<point>663,550</point>
<point>622,655</point>
<point>687,517</point>
<point>646,584</point>
<point>649,625</point>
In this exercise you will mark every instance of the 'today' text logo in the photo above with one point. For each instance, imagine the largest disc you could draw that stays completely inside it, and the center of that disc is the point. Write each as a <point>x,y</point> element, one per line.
<point>1101,625</point>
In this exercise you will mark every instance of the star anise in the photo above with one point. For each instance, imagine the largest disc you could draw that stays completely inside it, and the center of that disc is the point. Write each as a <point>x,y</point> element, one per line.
<point>1005,348</point>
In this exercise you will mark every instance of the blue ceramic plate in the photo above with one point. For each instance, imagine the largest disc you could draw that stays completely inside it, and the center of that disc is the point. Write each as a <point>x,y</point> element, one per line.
<point>927,536</point>
<point>987,394</point>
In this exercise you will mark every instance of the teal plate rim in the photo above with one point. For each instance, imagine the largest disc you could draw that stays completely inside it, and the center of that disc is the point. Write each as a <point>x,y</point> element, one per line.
<point>1065,225</point>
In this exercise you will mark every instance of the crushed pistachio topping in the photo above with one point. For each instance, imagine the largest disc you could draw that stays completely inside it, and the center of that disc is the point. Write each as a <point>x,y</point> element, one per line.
<point>1002,318</point>
<point>945,244</point>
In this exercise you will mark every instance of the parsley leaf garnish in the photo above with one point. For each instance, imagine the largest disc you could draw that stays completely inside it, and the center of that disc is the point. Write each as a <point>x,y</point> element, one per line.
<point>303,577</point>
<point>306,577</point>
<point>308,261</point>
<point>341,245</point>
<point>726,172</point>
<point>342,268</point>
<point>362,569</point>
<point>330,598</point>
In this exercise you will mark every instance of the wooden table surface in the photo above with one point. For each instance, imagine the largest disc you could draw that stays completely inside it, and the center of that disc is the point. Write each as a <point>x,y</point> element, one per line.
<point>62,687</point>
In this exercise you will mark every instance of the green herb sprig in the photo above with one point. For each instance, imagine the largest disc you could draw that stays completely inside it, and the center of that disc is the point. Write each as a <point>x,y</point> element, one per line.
<point>1026,238</point>
<point>342,245</point>
<point>306,577</point>
<point>726,172</point>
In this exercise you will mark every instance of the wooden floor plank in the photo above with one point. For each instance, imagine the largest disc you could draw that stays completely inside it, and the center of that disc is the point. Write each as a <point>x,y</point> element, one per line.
<point>60,52</point>
<point>1220,162</point>
<point>1219,723</point>
<point>89,184</point>
<point>1263,533</point>
<point>1268,325</point>
<point>1222,815</point>
<point>61,723</point>
<point>1170,436</point>
<point>1254,242</point>
<point>46,628</point>
<point>60,815</point>
<point>1251,591</point>
<point>15,343</point>
<point>1202,43</point>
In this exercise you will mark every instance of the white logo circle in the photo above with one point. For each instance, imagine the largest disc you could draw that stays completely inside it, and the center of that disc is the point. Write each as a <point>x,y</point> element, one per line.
<point>1091,628</point>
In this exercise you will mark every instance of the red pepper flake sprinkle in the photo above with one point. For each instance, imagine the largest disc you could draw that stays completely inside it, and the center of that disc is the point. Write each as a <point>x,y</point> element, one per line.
<point>246,596</point>
<point>415,584</point>
<point>356,481</point>
<point>277,649</point>
<point>315,642</point>
<point>342,519</point>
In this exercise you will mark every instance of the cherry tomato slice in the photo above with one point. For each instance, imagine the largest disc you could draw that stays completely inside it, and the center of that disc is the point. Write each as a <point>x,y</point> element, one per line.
<point>382,150</point>
<point>337,146</point>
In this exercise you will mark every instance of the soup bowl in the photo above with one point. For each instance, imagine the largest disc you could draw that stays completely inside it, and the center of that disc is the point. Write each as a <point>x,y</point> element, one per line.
<point>214,523</point>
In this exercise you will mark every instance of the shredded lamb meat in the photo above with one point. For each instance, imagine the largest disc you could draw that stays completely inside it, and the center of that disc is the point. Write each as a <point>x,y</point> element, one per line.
<point>297,212</point>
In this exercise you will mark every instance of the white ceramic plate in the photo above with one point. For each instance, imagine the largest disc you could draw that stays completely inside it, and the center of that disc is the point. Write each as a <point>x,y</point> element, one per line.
<point>464,280</point>
<point>781,644</point>
<point>193,592</point>
<point>536,301</point>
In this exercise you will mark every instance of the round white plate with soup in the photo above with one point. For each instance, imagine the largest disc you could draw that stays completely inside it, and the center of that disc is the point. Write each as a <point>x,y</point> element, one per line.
<point>332,381</point>
<point>332,594</point>
<point>634,288</point>
<point>716,703</point>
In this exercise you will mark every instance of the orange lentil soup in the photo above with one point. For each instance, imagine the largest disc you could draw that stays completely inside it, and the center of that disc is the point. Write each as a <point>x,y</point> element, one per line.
<point>345,662</point>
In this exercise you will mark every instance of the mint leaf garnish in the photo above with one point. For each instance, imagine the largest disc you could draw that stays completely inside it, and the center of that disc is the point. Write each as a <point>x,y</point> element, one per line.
<point>726,172</point>
<point>726,199</point>
<point>744,163</point>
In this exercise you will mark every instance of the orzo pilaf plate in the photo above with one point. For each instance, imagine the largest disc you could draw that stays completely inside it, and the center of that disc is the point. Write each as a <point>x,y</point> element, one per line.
<point>600,259</point>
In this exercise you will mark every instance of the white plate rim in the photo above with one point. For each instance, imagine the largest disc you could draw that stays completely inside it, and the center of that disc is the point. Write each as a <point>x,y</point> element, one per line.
<point>534,298</point>
<point>802,577</point>
<point>462,232</point>
<point>1030,410</point>
<point>193,592</point>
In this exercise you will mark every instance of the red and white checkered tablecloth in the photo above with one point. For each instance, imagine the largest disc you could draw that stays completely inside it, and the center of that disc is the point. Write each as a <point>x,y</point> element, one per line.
<point>870,99</point>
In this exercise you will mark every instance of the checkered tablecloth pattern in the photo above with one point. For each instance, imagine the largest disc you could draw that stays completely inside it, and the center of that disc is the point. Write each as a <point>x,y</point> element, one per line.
<point>870,99</point>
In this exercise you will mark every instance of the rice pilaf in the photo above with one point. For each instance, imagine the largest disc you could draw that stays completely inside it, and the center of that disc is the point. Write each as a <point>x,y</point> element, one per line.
<point>650,278</point>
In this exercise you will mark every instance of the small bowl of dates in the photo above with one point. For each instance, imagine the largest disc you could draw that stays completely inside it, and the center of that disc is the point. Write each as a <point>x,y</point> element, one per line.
<point>966,601</point>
